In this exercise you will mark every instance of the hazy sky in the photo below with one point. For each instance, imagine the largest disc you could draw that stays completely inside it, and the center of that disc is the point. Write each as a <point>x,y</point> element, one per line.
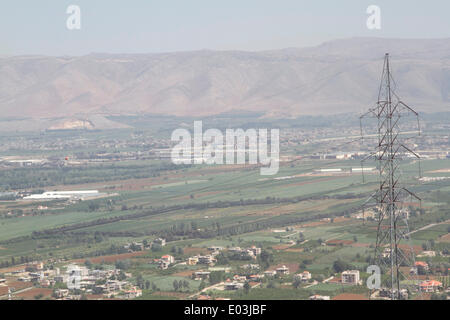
<point>114,26</point>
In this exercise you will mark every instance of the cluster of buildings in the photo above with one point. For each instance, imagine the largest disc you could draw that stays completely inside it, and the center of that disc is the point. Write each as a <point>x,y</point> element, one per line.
<point>251,252</point>
<point>105,282</point>
<point>210,259</point>
<point>238,281</point>
<point>94,281</point>
<point>77,280</point>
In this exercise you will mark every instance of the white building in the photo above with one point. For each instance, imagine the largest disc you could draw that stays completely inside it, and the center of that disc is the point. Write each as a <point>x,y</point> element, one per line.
<point>283,270</point>
<point>233,286</point>
<point>168,258</point>
<point>76,195</point>
<point>318,297</point>
<point>304,276</point>
<point>350,277</point>
<point>208,259</point>
<point>75,270</point>
<point>160,241</point>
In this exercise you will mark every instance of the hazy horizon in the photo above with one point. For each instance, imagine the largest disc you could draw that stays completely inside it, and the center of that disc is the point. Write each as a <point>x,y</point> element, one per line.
<point>39,28</point>
<point>224,50</point>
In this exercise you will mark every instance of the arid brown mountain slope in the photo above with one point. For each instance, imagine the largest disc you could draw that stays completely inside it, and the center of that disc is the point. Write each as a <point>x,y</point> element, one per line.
<point>335,77</point>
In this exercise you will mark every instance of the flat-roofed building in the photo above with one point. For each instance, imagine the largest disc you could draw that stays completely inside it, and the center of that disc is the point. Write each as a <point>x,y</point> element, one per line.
<point>350,277</point>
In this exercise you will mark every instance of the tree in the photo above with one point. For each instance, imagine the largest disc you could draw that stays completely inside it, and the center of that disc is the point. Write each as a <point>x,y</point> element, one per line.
<point>175,285</point>
<point>339,266</point>
<point>88,264</point>
<point>436,296</point>
<point>123,264</point>
<point>93,206</point>
<point>319,278</point>
<point>222,259</point>
<point>301,236</point>
<point>216,277</point>
<point>140,281</point>
<point>266,258</point>
<point>121,276</point>
<point>421,270</point>
<point>156,247</point>
<point>296,284</point>
<point>246,287</point>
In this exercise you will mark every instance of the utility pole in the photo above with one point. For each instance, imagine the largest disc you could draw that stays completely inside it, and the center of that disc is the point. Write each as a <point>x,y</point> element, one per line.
<point>392,218</point>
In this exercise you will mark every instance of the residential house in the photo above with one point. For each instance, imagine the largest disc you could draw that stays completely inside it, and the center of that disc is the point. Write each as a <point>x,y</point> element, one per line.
<point>350,277</point>
<point>45,283</point>
<point>233,286</point>
<point>256,251</point>
<point>235,250</point>
<point>163,264</point>
<point>208,259</point>
<point>215,248</point>
<point>192,261</point>
<point>61,293</point>
<point>283,270</point>
<point>251,266</point>
<point>168,258</point>
<point>430,286</point>
<point>255,277</point>
<point>201,275</point>
<point>304,276</point>
<point>319,297</point>
<point>132,293</point>
<point>270,273</point>
<point>239,278</point>
<point>160,241</point>
<point>422,264</point>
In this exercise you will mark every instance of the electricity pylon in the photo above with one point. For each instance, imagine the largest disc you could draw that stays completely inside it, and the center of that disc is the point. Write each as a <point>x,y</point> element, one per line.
<point>392,256</point>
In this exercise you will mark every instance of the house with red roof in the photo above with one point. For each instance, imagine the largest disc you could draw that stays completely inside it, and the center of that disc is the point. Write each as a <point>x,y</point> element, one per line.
<point>430,286</point>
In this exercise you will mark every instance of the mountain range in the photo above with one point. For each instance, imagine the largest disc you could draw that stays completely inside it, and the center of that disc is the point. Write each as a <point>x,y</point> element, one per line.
<point>335,77</point>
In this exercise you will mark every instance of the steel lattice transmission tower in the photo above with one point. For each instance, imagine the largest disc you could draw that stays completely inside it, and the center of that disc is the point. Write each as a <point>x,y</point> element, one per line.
<point>393,254</point>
